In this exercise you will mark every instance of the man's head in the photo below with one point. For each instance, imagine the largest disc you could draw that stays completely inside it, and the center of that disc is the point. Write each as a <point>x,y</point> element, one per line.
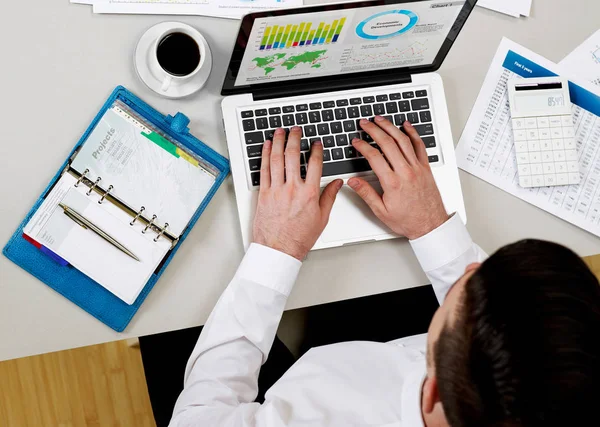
<point>517,342</point>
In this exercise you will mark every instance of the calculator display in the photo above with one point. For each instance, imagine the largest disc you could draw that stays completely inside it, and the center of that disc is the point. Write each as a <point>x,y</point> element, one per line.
<point>545,100</point>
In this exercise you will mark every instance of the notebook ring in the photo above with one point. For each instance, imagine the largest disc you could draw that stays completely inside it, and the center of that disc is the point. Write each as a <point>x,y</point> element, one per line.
<point>94,185</point>
<point>162,231</point>
<point>110,187</point>
<point>139,214</point>
<point>150,224</point>
<point>82,177</point>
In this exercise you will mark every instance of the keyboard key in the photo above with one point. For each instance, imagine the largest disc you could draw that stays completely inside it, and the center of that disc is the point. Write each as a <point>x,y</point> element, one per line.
<point>404,106</point>
<point>261,112</point>
<point>326,156</point>
<point>310,130</point>
<point>381,98</point>
<point>355,101</point>
<point>348,166</point>
<point>337,154</point>
<point>366,137</point>
<point>254,164</point>
<point>353,135</point>
<point>425,116</point>
<point>274,110</point>
<point>269,134</point>
<point>395,96</point>
<point>313,140</point>
<point>262,123</point>
<point>323,129</point>
<point>353,112</point>
<point>315,105</point>
<point>254,137</point>
<point>341,102</point>
<point>288,120</point>
<point>336,127</point>
<point>304,145</point>
<point>368,99</point>
<point>327,115</point>
<point>248,124</point>
<point>408,95</point>
<point>378,109</point>
<point>328,104</point>
<point>421,93</point>
<point>303,172</point>
<point>340,114</point>
<point>429,141</point>
<point>254,150</point>
<point>288,109</point>
<point>314,117</point>
<point>301,118</point>
<point>420,104</point>
<point>391,107</point>
<point>413,117</point>
<point>366,111</point>
<point>389,118</point>
<point>433,159</point>
<point>399,119</point>
<point>341,140</point>
<point>255,178</point>
<point>426,129</point>
<point>246,114</point>
<point>350,152</point>
<point>328,141</point>
<point>349,126</point>
<point>275,121</point>
<point>302,107</point>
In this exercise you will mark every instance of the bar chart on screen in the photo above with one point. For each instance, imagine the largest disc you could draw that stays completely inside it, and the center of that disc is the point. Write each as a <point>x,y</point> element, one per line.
<point>299,34</point>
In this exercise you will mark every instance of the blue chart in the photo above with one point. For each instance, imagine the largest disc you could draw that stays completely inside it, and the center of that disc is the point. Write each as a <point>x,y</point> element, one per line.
<point>385,25</point>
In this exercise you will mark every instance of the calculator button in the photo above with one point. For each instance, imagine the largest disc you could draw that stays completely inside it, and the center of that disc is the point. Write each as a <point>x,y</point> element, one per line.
<point>568,132</point>
<point>558,144</point>
<point>538,180</point>
<point>561,167</point>
<point>559,156</point>
<point>556,133</point>
<point>525,181</point>
<point>524,169</point>
<point>518,124</point>
<point>533,134</point>
<point>533,145</point>
<point>571,155</point>
<point>522,158</point>
<point>520,135</point>
<point>566,120</point>
<point>555,122</point>
<point>550,179</point>
<point>543,122</point>
<point>574,178</point>
<point>544,133</point>
<point>569,144</point>
<point>572,166</point>
<point>545,144</point>
<point>547,156</point>
<point>521,146</point>
<point>548,168</point>
<point>562,178</point>
<point>535,157</point>
<point>531,123</point>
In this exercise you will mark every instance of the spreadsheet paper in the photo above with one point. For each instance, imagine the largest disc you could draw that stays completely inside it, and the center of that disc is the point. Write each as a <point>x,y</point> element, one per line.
<point>486,148</point>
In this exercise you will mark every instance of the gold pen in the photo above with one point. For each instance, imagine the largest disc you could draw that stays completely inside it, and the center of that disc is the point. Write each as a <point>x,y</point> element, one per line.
<point>86,223</point>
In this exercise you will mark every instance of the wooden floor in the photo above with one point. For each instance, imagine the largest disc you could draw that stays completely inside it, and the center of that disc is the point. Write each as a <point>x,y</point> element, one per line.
<point>102,385</point>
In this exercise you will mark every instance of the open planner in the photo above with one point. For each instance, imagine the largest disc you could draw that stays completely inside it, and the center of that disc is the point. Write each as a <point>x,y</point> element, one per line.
<point>117,211</point>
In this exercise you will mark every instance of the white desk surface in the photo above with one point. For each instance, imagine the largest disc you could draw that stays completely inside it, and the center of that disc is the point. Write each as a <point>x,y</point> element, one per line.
<point>60,62</point>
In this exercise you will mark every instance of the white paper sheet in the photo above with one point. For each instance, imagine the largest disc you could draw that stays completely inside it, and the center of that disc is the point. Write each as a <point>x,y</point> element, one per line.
<point>584,61</point>
<point>486,147</point>
<point>514,8</point>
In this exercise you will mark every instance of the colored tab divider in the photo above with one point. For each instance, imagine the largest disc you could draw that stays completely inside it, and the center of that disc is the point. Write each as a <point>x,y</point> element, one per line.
<point>46,251</point>
<point>169,147</point>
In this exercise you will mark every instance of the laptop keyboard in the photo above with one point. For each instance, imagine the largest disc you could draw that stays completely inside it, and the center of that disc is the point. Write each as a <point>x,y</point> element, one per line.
<point>336,124</point>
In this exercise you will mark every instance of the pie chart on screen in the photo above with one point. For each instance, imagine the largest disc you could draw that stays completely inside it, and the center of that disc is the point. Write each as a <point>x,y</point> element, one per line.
<point>385,25</point>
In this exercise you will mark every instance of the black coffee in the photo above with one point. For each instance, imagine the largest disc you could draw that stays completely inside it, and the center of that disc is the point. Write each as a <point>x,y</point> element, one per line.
<point>178,54</point>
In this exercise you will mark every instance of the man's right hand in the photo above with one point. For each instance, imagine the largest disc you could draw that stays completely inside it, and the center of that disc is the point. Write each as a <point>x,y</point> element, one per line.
<point>411,204</point>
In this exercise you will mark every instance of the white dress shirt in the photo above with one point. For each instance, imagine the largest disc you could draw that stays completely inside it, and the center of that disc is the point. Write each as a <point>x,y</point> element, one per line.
<point>346,384</point>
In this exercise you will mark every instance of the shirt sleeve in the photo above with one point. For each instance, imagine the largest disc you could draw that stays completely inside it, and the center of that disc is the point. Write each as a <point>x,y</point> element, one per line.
<point>221,378</point>
<point>445,252</point>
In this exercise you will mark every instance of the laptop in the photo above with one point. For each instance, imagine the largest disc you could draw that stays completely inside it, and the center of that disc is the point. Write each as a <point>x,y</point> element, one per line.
<point>324,68</point>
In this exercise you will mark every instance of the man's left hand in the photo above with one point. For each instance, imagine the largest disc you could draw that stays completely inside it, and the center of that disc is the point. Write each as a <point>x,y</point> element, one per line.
<point>292,213</point>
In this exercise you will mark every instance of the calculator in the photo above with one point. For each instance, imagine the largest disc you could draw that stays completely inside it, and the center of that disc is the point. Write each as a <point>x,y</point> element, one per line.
<point>543,132</point>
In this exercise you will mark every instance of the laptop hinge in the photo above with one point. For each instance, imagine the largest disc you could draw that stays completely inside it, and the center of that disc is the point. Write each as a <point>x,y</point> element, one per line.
<point>298,89</point>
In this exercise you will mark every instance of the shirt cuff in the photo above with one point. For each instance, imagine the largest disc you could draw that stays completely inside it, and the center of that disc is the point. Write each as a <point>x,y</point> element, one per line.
<point>269,267</point>
<point>442,245</point>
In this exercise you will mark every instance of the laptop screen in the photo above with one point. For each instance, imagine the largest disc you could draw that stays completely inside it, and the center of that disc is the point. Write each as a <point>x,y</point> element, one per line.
<point>324,42</point>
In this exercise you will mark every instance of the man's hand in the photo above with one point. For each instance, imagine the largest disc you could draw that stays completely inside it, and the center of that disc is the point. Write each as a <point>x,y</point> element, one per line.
<point>411,204</point>
<point>291,212</point>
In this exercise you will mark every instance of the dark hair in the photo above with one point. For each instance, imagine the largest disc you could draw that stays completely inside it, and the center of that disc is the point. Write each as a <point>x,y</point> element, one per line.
<point>524,349</point>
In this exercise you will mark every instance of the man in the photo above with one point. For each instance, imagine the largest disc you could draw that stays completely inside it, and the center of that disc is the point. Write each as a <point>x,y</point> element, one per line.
<point>514,343</point>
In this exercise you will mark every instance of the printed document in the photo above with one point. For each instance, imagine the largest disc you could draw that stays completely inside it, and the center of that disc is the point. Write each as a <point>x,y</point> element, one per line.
<point>486,147</point>
<point>585,60</point>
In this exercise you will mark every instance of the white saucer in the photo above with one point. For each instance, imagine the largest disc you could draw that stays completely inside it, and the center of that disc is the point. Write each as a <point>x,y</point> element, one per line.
<point>176,90</point>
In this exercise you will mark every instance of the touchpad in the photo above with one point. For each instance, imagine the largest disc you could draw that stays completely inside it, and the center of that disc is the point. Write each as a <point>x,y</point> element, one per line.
<point>351,218</point>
